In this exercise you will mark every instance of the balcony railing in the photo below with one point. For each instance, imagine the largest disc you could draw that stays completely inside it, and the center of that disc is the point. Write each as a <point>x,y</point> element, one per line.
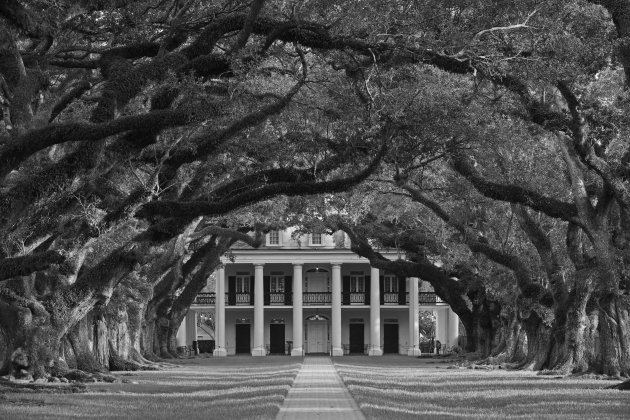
<point>242,299</point>
<point>429,298</point>
<point>205,299</point>
<point>276,298</point>
<point>357,298</point>
<point>316,298</point>
<point>389,298</point>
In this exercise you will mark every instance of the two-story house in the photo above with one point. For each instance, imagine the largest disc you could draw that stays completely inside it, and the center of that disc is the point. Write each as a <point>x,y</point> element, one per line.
<point>301,294</point>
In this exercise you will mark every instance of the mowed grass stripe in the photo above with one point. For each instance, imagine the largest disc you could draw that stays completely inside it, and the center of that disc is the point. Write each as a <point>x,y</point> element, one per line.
<point>188,392</point>
<point>426,392</point>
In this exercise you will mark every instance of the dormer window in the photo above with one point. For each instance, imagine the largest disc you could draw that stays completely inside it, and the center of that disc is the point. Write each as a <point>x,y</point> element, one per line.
<point>316,239</point>
<point>273,238</point>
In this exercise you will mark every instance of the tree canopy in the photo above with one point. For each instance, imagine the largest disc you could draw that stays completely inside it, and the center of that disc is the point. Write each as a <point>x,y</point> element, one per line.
<point>486,140</point>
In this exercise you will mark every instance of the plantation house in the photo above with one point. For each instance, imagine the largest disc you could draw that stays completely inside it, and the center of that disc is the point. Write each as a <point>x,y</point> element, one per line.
<point>301,294</point>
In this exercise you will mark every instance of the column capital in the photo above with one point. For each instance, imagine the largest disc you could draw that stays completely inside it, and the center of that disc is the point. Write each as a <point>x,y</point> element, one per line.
<point>335,265</point>
<point>298,263</point>
<point>259,265</point>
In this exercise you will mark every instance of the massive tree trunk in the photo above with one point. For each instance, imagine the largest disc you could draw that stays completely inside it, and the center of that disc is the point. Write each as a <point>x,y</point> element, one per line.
<point>538,342</point>
<point>614,334</point>
<point>32,342</point>
<point>571,347</point>
<point>483,328</point>
<point>36,329</point>
<point>512,345</point>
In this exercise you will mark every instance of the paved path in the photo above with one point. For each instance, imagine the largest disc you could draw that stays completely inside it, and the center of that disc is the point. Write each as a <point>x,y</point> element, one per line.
<point>319,393</point>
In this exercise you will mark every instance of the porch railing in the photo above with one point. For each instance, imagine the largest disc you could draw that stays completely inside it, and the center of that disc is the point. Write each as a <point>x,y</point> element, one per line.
<point>276,298</point>
<point>316,298</point>
<point>357,298</point>
<point>429,298</point>
<point>389,298</point>
<point>242,299</point>
<point>205,299</point>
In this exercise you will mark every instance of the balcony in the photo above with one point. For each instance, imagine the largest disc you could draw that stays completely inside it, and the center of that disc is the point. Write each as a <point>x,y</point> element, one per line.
<point>429,298</point>
<point>278,298</point>
<point>205,299</point>
<point>315,298</point>
<point>390,298</point>
<point>357,298</point>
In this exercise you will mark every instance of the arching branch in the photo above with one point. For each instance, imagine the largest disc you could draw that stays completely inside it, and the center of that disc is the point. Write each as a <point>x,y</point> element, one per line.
<point>25,265</point>
<point>187,210</point>
<point>16,151</point>
<point>516,194</point>
<point>75,92</point>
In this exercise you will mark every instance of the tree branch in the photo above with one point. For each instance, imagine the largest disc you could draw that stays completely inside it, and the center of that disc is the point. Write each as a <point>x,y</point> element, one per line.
<point>512,262</point>
<point>16,151</point>
<point>25,265</point>
<point>74,93</point>
<point>187,210</point>
<point>15,13</point>
<point>516,194</point>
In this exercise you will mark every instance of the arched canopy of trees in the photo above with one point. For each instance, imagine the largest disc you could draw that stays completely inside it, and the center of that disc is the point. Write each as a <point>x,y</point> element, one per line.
<point>141,139</point>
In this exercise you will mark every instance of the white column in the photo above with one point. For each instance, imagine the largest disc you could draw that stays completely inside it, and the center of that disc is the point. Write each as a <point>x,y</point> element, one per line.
<point>219,315</point>
<point>259,313</point>
<point>441,325</point>
<point>191,327</point>
<point>453,328</point>
<point>337,349</point>
<point>414,323</point>
<point>181,333</point>
<point>298,333</point>
<point>375,314</point>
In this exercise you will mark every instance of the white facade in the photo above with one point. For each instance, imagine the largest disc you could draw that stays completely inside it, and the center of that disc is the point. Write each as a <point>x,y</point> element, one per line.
<point>310,294</point>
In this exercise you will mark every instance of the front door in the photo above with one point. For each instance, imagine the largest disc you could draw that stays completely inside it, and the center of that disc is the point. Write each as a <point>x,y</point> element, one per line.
<point>243,338</point>
<point>276,338</point>
<point>356,338</point>
<point>390,338</point>
<point>317,337</point>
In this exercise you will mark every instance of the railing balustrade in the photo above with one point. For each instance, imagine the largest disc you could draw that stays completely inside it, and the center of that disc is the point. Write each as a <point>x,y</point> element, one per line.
<point>316,298</point>
<point>276,298</point>
<point>428,298</point>
<point>205,299</point>
<point>357,298</point>
<point>242,299</point>
<point>390,298</point>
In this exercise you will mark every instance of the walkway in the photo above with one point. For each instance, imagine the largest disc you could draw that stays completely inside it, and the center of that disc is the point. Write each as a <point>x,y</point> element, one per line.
<point>319,393</point>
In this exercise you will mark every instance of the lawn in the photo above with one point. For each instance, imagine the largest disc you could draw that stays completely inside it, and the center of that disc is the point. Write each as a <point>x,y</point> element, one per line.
<point>222,388</point>
<point>399,388</point>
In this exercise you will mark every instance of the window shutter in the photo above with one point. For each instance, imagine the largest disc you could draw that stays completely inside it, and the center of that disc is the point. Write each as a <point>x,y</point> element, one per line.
<point>288,290</point>
<point>402,291</point>
<point>252,282</point>
<point>381,286</point>
<point>266,288</point>
<point>346,291</point>
<point>368,281</point>
<point>231,290</point>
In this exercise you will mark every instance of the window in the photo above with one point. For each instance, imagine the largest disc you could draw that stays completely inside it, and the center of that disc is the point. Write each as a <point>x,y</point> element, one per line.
<point>316,239</point>
<point>357,283</point>
<point>242,284</point>
<point>273,238</point>
<point>390,284</point>
<point>277,284</point>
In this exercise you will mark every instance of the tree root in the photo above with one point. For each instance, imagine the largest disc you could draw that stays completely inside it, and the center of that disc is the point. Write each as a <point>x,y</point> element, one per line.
<point>48,388</point>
